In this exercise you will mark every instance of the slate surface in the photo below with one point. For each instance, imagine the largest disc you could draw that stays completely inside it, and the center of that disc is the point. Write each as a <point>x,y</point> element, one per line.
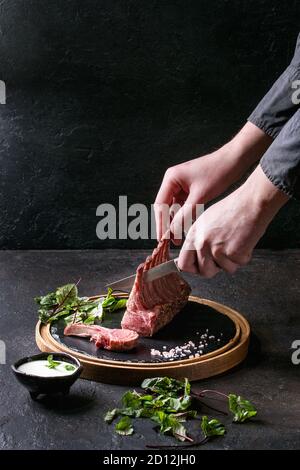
<point>267,292</point>
<point>188,325</point>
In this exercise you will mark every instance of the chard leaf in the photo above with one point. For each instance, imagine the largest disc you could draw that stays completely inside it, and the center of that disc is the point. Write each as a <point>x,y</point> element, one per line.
<point>179,404</point>
<point>61,314</point>
<point>65,303</point>
<point>212,427</point>
<point>47,304</point>
<point>66,294</point>
<point>170,424</point>
<point>165,385</point>
<point>124,426</point>
<point>242,409</point>
<point>183,416</point>
<point>47,301</point>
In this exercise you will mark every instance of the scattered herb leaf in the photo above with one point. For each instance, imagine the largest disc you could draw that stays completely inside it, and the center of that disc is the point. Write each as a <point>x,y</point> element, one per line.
<point>124,426</point>
<point>166,385</point>
<point>212,427</point>
<point>69,367</point>
<point>242,409</point>
<point>167,402</point>
<point>170,424</point>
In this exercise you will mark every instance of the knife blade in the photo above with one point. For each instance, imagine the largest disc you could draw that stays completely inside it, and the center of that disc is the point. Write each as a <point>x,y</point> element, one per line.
<point>157,272</point>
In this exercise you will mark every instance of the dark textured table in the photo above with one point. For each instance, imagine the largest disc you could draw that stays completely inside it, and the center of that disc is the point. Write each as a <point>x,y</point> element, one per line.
<point>267,292</point>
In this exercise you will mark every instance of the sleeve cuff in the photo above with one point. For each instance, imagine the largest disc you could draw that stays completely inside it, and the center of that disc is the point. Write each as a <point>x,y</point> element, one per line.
<point>264,126</point>
<point>275,181</point>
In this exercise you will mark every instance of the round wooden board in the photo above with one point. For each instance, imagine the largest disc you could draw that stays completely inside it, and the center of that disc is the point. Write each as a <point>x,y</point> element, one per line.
<point>118,372</point>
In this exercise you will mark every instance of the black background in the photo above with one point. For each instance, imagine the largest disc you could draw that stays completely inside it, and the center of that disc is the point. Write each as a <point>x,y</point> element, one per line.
<point>104,95</point>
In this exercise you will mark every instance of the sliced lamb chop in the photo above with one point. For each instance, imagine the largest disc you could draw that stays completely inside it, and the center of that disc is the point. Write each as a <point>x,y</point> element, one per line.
<point>151,305</point>
<point>104,338</point>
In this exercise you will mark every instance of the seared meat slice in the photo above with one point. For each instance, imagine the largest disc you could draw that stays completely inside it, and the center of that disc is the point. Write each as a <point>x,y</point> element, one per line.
<point>105,338</point>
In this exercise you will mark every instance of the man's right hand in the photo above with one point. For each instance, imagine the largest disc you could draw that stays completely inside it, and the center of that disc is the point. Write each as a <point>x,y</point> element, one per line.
<point>200,180</point>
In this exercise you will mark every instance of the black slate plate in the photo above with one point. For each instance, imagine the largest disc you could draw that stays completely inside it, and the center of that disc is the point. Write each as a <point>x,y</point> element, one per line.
<point>193,321</point>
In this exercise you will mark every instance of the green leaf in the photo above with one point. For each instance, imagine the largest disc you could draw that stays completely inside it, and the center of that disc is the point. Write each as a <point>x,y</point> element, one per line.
<point>111,415</point>
<point>46,301</point>
<point>178,404</point>
<point>89,320</point>
<point>44,315</point>
<point>242,409</point>
<point>111,303</point>
<point>124,426</point>
<point>184,415</point>
<point>187,387</point>
<point>65,303</point>
<point>169,424</point>
<point>52,364</point>
<point>66,294</point>
<point>46,304</point>
<point>118,304</point>
<point>131,400</point>
<point>69,367</point>
<point>60,314</point>
<point>212,427</point>
<point>165,385</point>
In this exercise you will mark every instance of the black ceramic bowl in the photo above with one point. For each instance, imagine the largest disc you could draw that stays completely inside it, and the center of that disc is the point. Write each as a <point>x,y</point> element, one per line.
<point>37,385</point>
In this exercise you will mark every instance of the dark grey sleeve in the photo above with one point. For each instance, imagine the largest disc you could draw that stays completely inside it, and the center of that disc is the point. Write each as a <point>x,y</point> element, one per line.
<point>281,162</point>
<point>277,106</point>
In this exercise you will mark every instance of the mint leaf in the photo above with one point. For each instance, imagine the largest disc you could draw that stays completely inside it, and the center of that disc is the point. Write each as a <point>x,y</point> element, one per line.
<point>52,364</point>
<point>212,427</point>
<point>69,367</point>
<point>124,426</point>
<point>241,409</point>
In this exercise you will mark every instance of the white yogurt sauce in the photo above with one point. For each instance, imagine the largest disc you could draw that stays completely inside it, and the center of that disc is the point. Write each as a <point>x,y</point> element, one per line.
<point>41,369</point>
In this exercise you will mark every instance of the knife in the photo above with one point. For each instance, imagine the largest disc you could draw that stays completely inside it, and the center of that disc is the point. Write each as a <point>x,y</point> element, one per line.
<point>154,273</point>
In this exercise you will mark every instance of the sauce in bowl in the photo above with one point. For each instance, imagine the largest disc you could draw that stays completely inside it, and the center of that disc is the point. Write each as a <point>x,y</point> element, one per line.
<point>41,368</point>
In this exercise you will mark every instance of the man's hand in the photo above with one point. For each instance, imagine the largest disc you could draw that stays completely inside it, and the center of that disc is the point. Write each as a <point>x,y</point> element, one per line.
<point>200,180</point>
<point>224,236</point>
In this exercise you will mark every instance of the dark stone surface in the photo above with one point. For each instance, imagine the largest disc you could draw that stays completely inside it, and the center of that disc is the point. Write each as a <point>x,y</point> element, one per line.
<point>266,292</point>
<point>103,96</point>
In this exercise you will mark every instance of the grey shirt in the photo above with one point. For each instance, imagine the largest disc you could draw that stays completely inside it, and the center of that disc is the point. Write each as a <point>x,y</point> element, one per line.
<point>278,115</point>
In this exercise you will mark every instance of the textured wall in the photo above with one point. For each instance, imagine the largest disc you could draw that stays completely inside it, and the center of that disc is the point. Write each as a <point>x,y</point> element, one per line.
<point>104,95</point>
